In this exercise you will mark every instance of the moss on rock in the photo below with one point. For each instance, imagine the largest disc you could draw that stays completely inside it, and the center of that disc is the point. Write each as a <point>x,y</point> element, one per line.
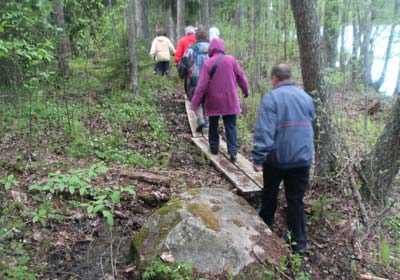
<point>171,206</point>
<point>206,215</point>
<point>137,243</point>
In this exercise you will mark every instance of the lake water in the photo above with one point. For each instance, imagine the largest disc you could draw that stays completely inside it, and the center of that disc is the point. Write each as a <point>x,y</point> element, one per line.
<point>381,35</point>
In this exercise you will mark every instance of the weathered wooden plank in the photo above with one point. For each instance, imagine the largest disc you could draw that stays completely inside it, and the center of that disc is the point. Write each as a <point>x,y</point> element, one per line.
<point>243,164</point>
<point>193,120</point>
<point>232,172</point>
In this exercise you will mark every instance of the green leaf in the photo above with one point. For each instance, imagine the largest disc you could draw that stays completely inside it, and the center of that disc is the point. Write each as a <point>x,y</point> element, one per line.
<point>116,197</point>
<point>97,208</point>
<point>71,189</point>
<point>90,209</point>
<point>109,216</point>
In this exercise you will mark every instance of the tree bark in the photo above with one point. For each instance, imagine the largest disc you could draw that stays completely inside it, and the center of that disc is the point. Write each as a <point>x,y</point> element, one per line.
<point>344,19</point>
<point>142,22</point>
<point>206,19</point>
<point>168,20</point>
<point>180,14</point>
<point>378,83</point>
<point>366,42</point>
<point>308,34</point>
<point>356,43</point>
<point>62,39</point>
<point>381,166</point>
<point>132,66</point>
<point>113,26</point>
<point>396,91</point>
<point>331,33</point>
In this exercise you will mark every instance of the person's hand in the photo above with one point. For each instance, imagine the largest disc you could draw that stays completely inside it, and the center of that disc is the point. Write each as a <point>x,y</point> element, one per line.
<point>257,168</point>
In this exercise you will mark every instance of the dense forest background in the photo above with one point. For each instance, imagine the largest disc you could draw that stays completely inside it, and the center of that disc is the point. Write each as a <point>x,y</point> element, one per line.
<point>79,105</point>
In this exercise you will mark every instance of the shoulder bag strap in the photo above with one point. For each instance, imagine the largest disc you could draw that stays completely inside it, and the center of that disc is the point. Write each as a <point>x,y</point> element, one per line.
<point>214,68</point>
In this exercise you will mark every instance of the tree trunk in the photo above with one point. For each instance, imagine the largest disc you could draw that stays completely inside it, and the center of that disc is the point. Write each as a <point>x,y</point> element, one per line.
<point>382,165</point>
<point>356,44</point>
<point>308,34</point>
<point>62,38</point>
<point>142,22</point>
<point>377,84</point>
<point>331,33</point>
<point>132,67</point>
<point>180,25</point>
<point>344,19</point>
<point>113,26</point>
<point>365,47</point>
<point>206,19</point>
<point>396,91</point>
<point>168,20</point>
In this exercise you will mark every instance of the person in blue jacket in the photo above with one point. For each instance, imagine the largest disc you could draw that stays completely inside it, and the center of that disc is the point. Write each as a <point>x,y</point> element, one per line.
<point>283,150</point>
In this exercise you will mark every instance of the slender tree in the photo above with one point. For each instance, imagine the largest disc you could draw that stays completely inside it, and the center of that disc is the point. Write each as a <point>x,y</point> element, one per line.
<point>132,66</point>
<point>308,34</point>
<point>180,14</point>
<point>142,22</point>
<point>344,20</point>
<point>366,54</point>
<point>62,38</point>
<point>396,91</point>
<point>382,165</point>
<point>206,18</point>
<point>331,33</point>
<point>378,83</point>
<point>168,20</point>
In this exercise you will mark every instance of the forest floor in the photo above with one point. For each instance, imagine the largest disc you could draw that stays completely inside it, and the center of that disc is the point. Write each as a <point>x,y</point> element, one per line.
<point>82,245</point>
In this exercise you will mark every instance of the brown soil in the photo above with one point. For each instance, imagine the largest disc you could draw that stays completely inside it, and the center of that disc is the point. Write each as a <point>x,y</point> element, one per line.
<point>83,247</point>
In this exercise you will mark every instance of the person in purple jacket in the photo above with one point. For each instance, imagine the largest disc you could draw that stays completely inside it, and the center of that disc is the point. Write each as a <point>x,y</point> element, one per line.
<point>217,87</point>
<point>283,150</point>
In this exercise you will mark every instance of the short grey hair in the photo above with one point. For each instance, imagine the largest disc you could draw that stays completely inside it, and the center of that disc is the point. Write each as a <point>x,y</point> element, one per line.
<point>189,30</point>
<point>281,71</point>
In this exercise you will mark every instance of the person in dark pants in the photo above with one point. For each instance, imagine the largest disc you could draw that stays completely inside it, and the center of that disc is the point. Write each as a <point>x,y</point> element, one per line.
<point>217,87</point>
<point>160,51</point>
<point>283,150</point>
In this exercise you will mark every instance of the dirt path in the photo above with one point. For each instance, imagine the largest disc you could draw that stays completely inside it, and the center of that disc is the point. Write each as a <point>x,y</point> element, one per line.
<point>87,249</point>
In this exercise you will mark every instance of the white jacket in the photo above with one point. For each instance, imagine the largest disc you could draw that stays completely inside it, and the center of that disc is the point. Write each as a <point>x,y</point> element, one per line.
<point>161,48</point>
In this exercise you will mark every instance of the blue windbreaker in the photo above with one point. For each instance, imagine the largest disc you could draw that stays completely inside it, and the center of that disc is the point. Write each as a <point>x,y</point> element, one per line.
<point>283,135</point>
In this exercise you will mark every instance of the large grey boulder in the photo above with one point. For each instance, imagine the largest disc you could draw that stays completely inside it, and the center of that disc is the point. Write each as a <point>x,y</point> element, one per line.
<point>213,229</point>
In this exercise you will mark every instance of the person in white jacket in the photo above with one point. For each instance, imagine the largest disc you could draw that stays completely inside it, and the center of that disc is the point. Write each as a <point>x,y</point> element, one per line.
<point>213,33</point>
<point>161,49</point>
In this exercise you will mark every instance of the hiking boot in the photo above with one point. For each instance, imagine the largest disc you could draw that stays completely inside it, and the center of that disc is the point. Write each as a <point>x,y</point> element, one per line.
<point>201,124</point>
<point>233,158</point>
<point>214,151</point>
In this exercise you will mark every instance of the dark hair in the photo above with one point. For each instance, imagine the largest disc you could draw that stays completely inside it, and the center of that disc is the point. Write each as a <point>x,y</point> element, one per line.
<point>281,71</point>
<point>161,32</point>
<point>201,34</point>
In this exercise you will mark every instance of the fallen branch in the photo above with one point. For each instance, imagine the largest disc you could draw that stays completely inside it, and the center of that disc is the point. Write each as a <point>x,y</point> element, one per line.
<point>370,277</point>
<point>147,177</point>
<point>358,197</point>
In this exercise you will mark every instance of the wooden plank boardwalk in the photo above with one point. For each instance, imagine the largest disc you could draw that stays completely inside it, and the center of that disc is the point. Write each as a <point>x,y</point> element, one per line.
<point>239,173</point>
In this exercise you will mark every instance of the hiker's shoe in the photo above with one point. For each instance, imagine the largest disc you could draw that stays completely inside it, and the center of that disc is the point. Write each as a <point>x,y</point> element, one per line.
<point>214,151</point>
<point>201,124</point>
<point>233,158</point>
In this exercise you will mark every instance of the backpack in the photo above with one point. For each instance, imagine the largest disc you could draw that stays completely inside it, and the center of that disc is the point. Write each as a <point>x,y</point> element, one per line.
<point>183,67</point>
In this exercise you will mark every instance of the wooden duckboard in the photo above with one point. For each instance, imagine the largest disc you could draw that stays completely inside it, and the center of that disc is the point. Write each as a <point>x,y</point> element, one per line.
<point>240,173</point>
<point>236,176</point>
<point>193,120</point>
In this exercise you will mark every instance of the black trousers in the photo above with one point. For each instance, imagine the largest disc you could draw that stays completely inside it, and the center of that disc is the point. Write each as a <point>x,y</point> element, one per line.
<point>296,182</point>
<point>162,67</point>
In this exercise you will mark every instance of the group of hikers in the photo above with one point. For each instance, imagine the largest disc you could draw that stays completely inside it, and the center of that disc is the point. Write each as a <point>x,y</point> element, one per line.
<point>283,135</point>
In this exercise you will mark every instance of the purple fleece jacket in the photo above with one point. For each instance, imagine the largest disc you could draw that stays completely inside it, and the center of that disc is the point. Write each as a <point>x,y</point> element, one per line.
<point>220,93</point>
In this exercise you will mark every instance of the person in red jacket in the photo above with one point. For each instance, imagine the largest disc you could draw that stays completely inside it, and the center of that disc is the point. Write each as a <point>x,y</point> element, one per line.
<point>184,43</point>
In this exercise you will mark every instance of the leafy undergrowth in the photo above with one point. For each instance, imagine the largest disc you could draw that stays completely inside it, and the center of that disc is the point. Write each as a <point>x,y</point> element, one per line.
<point>79,179</point>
